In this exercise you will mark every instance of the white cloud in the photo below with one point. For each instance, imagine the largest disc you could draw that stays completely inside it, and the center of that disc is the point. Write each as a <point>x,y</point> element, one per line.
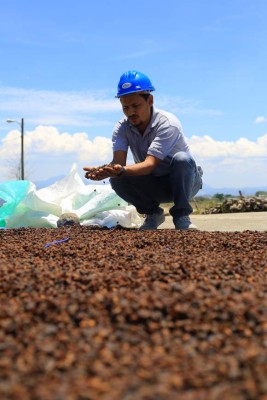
<point>58,107</point>
<point>236,164</point>
<point>235,173</point>
<point>48,140</point>
<point>50,101</point>
<point>260,120</point>
<point>206,147</point>
<point>80,109</point>
<point>49,152</point>
<point>181,106</point>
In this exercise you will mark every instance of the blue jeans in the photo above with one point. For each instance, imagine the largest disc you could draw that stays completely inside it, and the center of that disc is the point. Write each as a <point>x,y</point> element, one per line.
<point>147,192</point>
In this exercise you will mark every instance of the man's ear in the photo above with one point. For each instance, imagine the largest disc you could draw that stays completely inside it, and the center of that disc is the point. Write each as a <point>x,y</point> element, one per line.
<point>151,100</point>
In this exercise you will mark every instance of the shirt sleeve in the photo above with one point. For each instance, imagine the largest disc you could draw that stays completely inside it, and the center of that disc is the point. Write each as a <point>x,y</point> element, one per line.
<point>119,139</point>
<point>165,141</point>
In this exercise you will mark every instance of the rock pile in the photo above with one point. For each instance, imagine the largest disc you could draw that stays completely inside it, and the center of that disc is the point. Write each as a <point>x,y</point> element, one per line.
<point>239,205</point>
<point>126,314</point>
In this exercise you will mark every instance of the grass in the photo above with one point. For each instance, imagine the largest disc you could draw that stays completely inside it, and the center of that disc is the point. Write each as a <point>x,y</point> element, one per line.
<point>199,205</point>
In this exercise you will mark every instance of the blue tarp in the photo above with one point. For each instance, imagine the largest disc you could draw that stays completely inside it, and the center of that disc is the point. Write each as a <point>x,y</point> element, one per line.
<point>11,194</point>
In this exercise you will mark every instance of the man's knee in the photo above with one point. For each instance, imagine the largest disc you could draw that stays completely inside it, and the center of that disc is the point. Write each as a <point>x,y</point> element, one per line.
<point>182,160</point>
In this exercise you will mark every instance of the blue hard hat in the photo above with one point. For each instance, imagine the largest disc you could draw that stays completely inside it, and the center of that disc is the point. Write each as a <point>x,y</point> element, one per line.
<point>132,82</point>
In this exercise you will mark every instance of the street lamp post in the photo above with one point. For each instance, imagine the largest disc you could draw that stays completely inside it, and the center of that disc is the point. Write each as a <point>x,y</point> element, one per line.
<point>21,123</point>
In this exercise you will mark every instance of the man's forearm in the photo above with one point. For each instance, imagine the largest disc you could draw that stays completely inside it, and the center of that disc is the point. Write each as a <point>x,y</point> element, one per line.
<point>142,168</point>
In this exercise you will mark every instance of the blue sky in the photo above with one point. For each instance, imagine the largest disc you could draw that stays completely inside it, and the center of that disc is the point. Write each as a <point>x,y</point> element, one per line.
<point>61,62</point>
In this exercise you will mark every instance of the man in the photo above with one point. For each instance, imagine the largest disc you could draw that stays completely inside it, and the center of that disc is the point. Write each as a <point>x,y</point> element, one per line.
<point>164,170</point>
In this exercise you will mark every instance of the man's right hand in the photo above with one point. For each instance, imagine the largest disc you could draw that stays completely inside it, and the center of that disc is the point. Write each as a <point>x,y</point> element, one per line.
<point>95,173</point>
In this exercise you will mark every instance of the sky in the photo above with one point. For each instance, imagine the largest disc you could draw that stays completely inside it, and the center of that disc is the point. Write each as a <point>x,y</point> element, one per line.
<point>61,62</point>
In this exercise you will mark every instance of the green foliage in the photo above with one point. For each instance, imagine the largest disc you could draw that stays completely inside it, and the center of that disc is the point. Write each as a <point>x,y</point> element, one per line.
<point>219,196</point>
<point>200,198</point>
<point>261,193</point>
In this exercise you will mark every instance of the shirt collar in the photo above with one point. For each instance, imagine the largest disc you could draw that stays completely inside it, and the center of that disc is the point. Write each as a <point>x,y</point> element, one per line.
<point>153,120</point>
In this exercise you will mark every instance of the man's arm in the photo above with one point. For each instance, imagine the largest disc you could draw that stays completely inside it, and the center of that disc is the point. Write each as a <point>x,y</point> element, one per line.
<point>118,165</point>
<point>119,157</point>
<point>143,168</point>
<point>99,173</point>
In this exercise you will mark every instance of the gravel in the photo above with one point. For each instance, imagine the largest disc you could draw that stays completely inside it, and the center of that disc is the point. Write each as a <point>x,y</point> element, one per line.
<point>120,314</point>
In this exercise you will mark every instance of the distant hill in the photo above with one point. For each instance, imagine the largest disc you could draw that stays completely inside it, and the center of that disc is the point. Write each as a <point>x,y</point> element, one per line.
<point>246,191</point>
<point>48,182</point>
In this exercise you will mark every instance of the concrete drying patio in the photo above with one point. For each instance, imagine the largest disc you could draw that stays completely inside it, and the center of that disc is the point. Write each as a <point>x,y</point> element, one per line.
<point>253,221</point>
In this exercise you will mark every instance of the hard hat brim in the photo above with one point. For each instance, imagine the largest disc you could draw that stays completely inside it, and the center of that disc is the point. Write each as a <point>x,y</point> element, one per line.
<point>142,91</point>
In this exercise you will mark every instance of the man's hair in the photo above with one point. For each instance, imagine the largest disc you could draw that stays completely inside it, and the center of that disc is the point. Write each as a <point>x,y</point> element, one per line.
<point>145,95</point>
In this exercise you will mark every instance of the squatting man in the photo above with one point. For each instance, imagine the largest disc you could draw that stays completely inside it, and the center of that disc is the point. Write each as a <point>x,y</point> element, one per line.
<point>164,169</point>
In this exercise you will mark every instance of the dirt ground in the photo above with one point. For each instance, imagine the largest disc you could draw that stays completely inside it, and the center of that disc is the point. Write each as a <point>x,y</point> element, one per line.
<point>117,314</point>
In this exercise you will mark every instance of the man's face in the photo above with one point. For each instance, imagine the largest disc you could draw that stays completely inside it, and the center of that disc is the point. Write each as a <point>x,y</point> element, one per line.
<point>137,110</point>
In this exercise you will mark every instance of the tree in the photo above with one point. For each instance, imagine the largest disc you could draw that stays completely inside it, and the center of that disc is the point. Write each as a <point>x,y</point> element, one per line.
<point>218,196</point>
<point>261,193</point>
<point>14,169</point>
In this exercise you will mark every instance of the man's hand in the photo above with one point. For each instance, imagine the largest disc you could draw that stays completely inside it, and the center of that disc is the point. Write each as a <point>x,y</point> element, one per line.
<point>113,169</point>
<point>102,172</point>
<point>117,166</point>
<point>95,173</point>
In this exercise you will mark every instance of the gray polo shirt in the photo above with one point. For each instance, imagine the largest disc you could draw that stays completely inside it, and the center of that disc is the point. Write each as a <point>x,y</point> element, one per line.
<point>162,138</point>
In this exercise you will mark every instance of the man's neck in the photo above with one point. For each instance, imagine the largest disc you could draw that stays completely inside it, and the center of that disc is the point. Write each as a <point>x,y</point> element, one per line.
<point>143,126</point>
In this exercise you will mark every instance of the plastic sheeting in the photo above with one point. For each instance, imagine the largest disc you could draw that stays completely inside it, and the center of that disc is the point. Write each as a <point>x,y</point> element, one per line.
<point>22,205</point>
